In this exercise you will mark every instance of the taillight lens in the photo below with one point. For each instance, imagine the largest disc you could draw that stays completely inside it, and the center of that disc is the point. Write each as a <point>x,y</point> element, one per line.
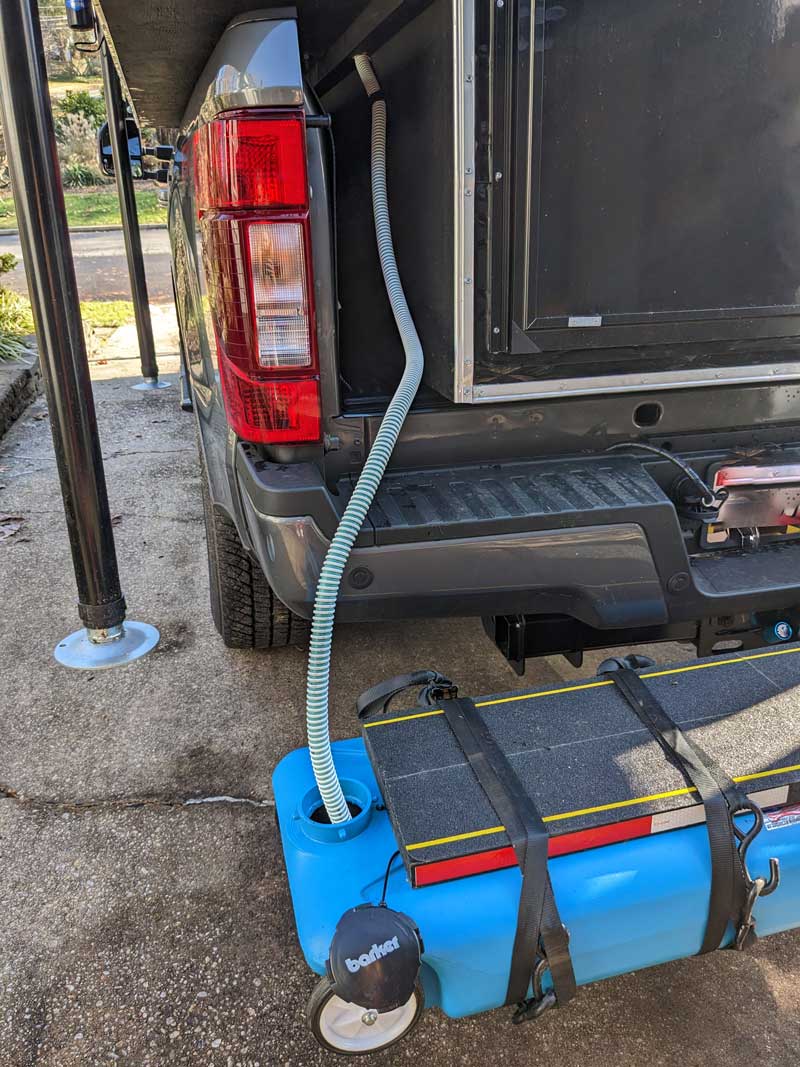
<point>280,293</point>
<point>252,161</point>
<point>280,412</point>
<point>252,196</point>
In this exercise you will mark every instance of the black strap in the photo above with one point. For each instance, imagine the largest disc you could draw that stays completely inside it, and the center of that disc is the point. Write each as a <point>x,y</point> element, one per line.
<point>434,688</point>
<point>721,798</point>
<point>537,916</point>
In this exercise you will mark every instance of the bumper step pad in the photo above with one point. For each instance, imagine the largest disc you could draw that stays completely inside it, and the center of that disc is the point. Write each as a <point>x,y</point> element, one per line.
<point>545,494</point>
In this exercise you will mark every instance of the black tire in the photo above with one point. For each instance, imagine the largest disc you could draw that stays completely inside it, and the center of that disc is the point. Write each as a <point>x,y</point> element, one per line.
<point>322,994</point>
<point>245,610</point>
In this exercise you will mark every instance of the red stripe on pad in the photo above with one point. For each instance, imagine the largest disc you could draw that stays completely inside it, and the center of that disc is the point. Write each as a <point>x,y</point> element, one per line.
<point>498,859</point>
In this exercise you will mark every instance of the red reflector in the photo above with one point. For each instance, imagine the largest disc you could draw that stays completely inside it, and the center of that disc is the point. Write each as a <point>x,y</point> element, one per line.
<point>498,859</point>
<point>251,161</point>
<point>271,412</point>
<point>600,835</point>
<point>462,866</point>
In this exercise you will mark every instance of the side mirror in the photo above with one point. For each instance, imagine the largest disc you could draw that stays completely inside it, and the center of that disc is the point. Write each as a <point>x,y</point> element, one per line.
<point>134,149</point>
<point>137,152</point>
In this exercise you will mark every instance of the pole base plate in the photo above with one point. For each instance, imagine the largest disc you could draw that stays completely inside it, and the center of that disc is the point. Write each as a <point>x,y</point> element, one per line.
<point>81,653</point>
<point>151,384</point>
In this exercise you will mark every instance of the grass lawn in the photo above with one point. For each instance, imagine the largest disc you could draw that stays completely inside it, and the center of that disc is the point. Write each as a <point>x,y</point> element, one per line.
<point>61,86</point>
<point>106,313</point>
<point>16,320</point>
<point>97,313</point>
<point>94,207</point>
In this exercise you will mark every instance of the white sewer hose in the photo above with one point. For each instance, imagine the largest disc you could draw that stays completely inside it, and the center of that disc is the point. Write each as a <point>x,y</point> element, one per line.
<point>319,655</point>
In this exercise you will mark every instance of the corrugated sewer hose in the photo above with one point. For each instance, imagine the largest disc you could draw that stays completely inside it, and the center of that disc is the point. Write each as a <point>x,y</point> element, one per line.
<point>319,656</point>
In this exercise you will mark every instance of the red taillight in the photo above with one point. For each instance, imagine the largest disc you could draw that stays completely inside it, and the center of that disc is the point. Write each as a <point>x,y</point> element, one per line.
<point>250,161</point>
<point>252,197</point>
<point>280,412</point>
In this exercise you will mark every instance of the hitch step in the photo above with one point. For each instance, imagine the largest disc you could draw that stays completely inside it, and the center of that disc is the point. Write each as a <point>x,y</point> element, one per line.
<point>593,771</point>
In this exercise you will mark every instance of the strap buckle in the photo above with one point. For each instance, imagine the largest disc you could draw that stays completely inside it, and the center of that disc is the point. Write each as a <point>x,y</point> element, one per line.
<point>746,934</point>
<point>631,662</point>
<point>434,687</point>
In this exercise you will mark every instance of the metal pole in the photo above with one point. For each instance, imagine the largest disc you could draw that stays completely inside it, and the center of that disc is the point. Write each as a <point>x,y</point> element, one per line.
<point>39,198</point>
<point>118,131</point>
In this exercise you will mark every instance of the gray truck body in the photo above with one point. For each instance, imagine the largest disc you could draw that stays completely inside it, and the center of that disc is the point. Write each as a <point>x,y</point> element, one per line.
<point>501,498</point>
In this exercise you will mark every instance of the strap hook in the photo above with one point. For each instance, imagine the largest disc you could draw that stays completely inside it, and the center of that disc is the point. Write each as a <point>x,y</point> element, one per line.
<point>745,839</point>
<point>756,887</point>
<point>534,1007</point>
<point>540,1002</point>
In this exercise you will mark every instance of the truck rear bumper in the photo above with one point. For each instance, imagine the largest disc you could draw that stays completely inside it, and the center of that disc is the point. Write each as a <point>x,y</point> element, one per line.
<point>594,539</point>
<point>561,572</point>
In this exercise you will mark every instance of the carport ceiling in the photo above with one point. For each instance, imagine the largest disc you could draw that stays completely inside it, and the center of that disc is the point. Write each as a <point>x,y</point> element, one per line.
<point>163,45</point>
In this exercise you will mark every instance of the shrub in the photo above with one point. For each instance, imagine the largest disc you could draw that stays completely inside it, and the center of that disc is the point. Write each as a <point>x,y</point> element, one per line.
<point>81,102</point>
<point>10,347</point>
<point>80,175</point>
<point>15,318</point>
<point>15,313</point>
<point>76,140</point>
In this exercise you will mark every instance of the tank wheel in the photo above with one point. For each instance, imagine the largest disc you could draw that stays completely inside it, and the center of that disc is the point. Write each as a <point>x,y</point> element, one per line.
<point>352,1031</point>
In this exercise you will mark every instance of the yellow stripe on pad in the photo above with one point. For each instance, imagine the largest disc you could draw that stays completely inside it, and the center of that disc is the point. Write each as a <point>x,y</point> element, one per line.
<point>590,685</point>
<point>487,703</point>
<point>404,718</point>
<point>602,807</point>
<point>458,837</point>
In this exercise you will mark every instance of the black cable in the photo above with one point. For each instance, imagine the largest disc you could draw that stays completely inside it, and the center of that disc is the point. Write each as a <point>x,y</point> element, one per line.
<point>394,856</point>
<point>710,496</point>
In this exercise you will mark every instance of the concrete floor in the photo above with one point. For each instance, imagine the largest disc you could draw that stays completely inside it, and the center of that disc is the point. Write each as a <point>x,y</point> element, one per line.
<point>139,930</point>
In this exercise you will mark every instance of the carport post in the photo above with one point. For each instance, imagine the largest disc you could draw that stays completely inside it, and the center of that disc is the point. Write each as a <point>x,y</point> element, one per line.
<point>107,639</point>
<point>120,154</point>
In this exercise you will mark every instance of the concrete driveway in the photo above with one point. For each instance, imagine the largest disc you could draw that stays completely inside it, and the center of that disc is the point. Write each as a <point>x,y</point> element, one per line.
<point>145,917</point>
<point>101,267</point>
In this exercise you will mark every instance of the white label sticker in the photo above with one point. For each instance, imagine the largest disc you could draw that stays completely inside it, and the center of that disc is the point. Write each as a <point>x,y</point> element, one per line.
<point>583,321</point>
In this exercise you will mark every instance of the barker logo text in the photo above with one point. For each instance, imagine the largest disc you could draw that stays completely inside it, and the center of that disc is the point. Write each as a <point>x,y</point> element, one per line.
<point>375,953</point>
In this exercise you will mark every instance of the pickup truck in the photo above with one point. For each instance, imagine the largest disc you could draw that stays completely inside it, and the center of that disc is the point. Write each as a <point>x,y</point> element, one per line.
<point>596,215</point>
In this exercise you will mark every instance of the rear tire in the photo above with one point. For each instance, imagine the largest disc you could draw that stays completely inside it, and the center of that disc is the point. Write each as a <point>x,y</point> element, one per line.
<point>245,610</point>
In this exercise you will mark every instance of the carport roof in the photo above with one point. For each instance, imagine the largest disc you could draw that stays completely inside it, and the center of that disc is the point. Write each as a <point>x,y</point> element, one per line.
<point>162,45</point>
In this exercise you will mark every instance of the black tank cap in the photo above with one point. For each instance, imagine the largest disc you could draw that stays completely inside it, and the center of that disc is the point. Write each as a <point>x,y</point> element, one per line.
<point>375,957</point>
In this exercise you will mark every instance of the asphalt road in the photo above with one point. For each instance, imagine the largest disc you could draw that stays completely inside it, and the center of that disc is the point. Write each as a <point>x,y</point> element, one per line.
<point>140,930</point>
<point>101,266</point>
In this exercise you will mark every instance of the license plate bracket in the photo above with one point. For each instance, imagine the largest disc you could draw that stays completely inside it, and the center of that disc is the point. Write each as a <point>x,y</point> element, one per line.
<point>763,505</point>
